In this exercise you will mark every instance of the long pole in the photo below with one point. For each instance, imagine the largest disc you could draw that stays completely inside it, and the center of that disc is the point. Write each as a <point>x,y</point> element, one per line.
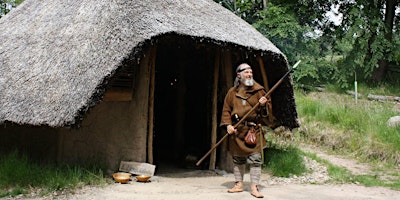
<point>248,113</point>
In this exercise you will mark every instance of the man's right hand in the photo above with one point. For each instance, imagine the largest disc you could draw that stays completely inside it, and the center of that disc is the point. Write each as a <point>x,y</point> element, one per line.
<point>230,129</point>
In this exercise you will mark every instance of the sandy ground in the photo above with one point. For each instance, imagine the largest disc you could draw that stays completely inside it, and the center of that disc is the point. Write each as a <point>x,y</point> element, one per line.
<point>215,187</point>
<point>186,184</point>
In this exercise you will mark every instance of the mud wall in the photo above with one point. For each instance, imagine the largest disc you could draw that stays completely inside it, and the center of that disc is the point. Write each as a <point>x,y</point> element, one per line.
<point>113,130</point>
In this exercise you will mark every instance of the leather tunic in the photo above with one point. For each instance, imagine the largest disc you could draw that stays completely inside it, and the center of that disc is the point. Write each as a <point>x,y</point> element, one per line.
<point>240,100</point>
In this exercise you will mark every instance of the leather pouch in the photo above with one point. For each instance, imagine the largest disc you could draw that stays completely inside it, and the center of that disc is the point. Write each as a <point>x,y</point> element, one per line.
<point>250,138</point>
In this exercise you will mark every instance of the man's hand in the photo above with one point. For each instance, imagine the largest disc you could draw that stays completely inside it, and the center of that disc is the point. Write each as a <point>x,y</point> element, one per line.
<point>262,101</point>
<point>230,129</point>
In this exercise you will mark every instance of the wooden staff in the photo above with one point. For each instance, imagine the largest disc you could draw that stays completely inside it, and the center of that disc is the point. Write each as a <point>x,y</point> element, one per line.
<point>248,113</point>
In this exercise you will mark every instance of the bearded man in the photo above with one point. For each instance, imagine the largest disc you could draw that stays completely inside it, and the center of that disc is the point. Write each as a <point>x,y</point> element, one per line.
<point>239,100</point>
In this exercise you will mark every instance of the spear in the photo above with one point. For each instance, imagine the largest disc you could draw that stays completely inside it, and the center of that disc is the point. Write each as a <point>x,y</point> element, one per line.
<point>248,113</point>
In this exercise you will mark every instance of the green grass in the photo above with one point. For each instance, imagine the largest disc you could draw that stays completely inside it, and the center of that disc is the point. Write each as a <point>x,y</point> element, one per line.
<point>335,122</point>
<point>18,176</point>
<point>381,89</point>
<point>360,127</point>
<point>284,163</point>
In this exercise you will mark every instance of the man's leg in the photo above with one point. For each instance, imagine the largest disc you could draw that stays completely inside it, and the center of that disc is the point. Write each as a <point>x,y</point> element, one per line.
<point>239,166</point>
<point>255,174</point>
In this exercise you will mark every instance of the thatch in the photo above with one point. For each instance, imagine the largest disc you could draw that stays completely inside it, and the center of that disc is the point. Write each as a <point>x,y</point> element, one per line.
<point>56,55</point>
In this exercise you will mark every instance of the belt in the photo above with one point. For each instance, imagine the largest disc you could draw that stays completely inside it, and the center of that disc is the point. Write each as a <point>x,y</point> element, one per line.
<point>247,123</point>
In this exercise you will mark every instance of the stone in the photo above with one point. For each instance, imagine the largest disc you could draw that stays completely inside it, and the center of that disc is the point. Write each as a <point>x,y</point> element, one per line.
<point>393,121</point>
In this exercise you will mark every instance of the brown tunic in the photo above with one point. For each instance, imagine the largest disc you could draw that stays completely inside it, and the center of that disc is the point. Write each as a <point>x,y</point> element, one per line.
<point>240,101</point>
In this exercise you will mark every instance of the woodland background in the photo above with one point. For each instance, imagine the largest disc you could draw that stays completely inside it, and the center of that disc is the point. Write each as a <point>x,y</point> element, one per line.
<point>338,41</point>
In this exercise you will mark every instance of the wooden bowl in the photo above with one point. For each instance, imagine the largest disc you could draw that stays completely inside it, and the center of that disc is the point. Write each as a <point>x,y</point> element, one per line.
<point>122,177</point>
<point>143,178</point>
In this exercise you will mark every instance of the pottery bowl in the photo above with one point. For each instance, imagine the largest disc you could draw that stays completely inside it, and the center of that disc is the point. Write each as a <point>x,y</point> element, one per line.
<point>143,178</point>
<point>122,177</point>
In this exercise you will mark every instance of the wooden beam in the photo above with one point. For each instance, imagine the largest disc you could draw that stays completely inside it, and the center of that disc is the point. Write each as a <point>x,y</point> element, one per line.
<point>60,146</point>
<point>214,123</point>
<point>266,85</point>
<point>228,69</point>
<point>228,75</point>
<point>263,72</point>
<point>118,94</point>
<point>152,66</point>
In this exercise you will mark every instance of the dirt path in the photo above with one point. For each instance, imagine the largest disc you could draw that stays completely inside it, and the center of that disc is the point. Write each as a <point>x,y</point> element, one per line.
<point>353,166</point>
<point>214,187</point>
<point>203,184</point>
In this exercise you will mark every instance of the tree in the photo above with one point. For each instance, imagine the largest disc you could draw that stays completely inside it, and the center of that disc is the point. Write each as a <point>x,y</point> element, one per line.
<point>246,9</point>
<point>292,33</point>
<point>371,24</point>
<point>369,27</point>
<point>282,26</point>
<point>7,5</point>
<point>390,7</point>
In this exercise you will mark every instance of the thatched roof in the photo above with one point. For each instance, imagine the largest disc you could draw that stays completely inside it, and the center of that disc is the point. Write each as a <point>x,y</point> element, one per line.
<point>56,55</point>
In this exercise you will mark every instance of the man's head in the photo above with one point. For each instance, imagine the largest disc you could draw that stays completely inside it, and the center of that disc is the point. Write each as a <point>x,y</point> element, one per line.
<point>244,75</point>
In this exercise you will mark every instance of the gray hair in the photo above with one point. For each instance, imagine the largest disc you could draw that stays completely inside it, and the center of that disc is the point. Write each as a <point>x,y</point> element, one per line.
<point>240,69</point>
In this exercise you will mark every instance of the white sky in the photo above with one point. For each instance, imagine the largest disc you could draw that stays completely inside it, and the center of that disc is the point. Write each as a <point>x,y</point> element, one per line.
<point>334,15</point>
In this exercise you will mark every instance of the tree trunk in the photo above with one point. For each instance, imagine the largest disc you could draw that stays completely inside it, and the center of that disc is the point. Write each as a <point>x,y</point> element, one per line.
<point>380,73</point>
<point>265,2</point>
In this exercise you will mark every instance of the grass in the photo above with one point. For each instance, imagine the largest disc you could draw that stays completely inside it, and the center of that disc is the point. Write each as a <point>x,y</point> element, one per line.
<point>342,175</point>
<point>19,176</point>
<point>359,128</point>
<point>336,122</point>
<point>284,163</point>
<point>381,89</point>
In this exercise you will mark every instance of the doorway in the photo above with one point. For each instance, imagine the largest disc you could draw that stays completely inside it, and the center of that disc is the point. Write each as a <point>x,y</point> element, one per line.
<point>182,114</point>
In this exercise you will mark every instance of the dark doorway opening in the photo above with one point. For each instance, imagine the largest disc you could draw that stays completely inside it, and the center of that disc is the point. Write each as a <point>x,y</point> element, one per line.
<point>182,115</point>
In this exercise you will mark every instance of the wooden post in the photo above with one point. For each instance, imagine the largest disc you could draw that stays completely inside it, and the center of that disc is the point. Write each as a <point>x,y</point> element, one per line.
<point>228,79</point>
<point>214,110</point>
<point>266,85</point>
<point>152,66</point>
<point>263,72</point>
<point>60,146</point>
<point>229,70</point>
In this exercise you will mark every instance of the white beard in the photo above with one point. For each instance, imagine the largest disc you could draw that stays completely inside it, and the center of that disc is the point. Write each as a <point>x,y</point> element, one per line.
<point>248,82</point>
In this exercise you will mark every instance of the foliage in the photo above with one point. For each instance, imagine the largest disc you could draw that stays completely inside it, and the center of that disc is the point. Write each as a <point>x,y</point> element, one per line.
<point>297,42</point>
<point>18,175</point>
<point>366,39</point>
<point>367,32</point>
<point>373,29</point>
<point>365,28</point>
<point>7,5</point>
<point>281,27</point>
<point>246,9</point>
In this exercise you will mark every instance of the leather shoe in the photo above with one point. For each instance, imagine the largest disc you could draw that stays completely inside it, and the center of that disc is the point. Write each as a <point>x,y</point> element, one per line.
<point>237,188</point>
<point>255,192</point>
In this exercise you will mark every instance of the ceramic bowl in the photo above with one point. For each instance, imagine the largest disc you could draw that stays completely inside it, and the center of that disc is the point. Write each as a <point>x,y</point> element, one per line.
<point>122,177</point>
<point>143,178</point>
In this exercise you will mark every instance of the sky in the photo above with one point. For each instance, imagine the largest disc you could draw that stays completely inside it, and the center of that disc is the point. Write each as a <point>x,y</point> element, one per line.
<point>334,15</point>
